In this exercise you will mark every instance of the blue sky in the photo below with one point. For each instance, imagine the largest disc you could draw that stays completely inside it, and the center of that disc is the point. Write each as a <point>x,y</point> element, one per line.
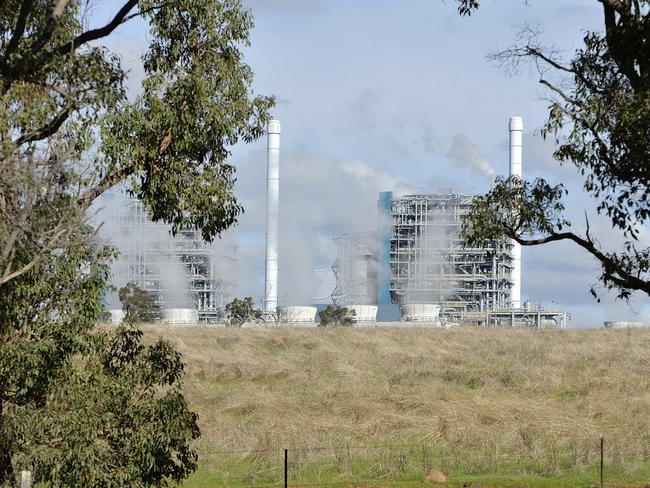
<point>382,95</point>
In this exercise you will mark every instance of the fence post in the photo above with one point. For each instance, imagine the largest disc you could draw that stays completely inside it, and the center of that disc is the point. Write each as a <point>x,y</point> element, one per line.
<point>286,468</point>
<point>602,459</point>
<point>25,479</point>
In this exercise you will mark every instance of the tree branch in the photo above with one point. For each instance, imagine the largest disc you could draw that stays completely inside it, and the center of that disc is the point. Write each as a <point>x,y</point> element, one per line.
<point>616,5</point>
<point>19,30</point>
<point>596,135</point>
<point>100,32</point>
<point>59,232</point>
<point>623,280</point>
<point>539,54</point>
<point>560,92</point>
<point>55,16</point>
<point>45,131</point>
<point>105,184</point>
<point>611,7</point>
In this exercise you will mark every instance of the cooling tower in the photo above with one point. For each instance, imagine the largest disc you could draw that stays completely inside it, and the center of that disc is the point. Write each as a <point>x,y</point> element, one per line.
<point>297,315</point>
<point>364,313</point>
<point>180,316</point>
<point>420,312</point>
<point>117,315</point>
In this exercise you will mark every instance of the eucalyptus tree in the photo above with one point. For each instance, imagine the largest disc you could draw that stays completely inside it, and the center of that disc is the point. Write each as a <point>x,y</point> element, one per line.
<point>599,118</point>
<point>81,406</point>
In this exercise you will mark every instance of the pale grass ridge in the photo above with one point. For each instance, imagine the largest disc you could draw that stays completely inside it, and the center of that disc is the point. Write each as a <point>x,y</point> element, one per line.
<point>484,391</point>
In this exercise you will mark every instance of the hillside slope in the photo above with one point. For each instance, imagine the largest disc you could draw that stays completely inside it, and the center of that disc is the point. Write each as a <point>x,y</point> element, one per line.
<point>479,391</point>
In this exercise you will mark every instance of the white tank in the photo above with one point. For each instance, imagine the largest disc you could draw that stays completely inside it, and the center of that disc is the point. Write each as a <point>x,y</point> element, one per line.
<point>363,313</point>
<point>420,312</point>
<point>117,315</point>
<point>297,315</point>
<point>180,316</point>
<point>623,324</point>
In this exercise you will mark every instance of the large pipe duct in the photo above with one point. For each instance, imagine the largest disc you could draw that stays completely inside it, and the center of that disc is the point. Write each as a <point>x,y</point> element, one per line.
<point>516,156</point>
<point>272,216</point>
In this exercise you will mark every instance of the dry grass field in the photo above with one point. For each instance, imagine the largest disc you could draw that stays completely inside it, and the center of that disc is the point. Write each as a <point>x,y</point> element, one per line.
<point>535,401</point>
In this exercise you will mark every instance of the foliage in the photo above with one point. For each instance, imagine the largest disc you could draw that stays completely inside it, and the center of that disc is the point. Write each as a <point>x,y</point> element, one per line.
<point>599,116</point>
<point>240,311</point>
<point>137,304</point>
<point>334,316</point>
<point>83,407</point>
<point>68,132</point>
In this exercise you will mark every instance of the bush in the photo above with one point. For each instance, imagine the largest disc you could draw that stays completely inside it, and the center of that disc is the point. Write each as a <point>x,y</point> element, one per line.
<point>137,304</point>
<point>335,316</point>
<point>240,311</point>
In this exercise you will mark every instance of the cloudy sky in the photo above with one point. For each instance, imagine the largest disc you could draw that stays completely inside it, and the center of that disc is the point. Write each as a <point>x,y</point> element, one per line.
<point>378,95</point>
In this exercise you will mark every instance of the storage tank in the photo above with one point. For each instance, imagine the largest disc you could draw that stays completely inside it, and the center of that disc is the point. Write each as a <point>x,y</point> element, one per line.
<point>117,315</point>
<point>420,312</point>
<point>180,316</point>
<point>363,313</point>
<point>297,315</point>
<point>623,324</point>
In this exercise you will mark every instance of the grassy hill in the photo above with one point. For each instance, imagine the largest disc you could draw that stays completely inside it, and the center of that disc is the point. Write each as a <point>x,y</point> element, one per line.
<point>484,404</point>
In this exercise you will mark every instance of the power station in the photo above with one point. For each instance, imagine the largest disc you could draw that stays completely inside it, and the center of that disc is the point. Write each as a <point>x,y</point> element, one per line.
<point>418,260</point>
<point>189,280</point>
<point>415,260</point>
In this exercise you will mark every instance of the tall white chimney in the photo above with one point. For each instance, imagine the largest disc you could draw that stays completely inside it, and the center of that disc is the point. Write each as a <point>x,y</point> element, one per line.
<point>272,216</point>
<point>516,156</point>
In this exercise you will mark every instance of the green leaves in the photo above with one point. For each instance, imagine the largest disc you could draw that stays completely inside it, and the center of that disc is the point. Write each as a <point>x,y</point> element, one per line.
<point>514,209</point>
<point>84,407</point>
<point>176,137</point>
<point>599,116</point>
<point>335,316</point>
<point>137,304</point>
<point>466,7</point>
<point>240,311</point>
<point>116,418</point>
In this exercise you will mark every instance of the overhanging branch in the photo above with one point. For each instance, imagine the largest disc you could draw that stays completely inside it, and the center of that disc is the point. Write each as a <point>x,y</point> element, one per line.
<point>100,32</point>
<point>623,280</point>
<point>45,131</point>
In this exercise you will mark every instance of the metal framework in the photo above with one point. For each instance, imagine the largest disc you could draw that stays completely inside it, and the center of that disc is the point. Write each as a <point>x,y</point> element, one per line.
<point>356,269</point>
<point>430,263</point>
<point>177,271</point>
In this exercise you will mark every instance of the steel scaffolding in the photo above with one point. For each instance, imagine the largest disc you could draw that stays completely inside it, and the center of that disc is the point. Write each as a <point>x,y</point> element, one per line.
<point>356,269</point>
<point>430,263</point>
<point>177,271</point>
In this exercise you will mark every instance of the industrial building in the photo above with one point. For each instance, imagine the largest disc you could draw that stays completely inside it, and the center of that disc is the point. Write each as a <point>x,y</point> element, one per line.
<point>188,279</point>
<point>418,260</point>
<point>427,260</point>
<point>356,269</point>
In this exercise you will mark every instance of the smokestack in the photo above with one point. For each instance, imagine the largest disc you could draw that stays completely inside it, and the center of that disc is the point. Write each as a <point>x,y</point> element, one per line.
<point>516,156</point>
<point>272,220</point>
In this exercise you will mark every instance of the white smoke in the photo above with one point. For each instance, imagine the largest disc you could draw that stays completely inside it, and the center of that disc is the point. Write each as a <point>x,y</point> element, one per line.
<point>467,154</point>
<point>149,255</point>
<point>320,198</point>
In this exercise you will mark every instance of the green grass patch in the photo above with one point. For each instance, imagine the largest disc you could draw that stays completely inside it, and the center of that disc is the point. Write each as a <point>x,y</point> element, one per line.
<point>406,466</point>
